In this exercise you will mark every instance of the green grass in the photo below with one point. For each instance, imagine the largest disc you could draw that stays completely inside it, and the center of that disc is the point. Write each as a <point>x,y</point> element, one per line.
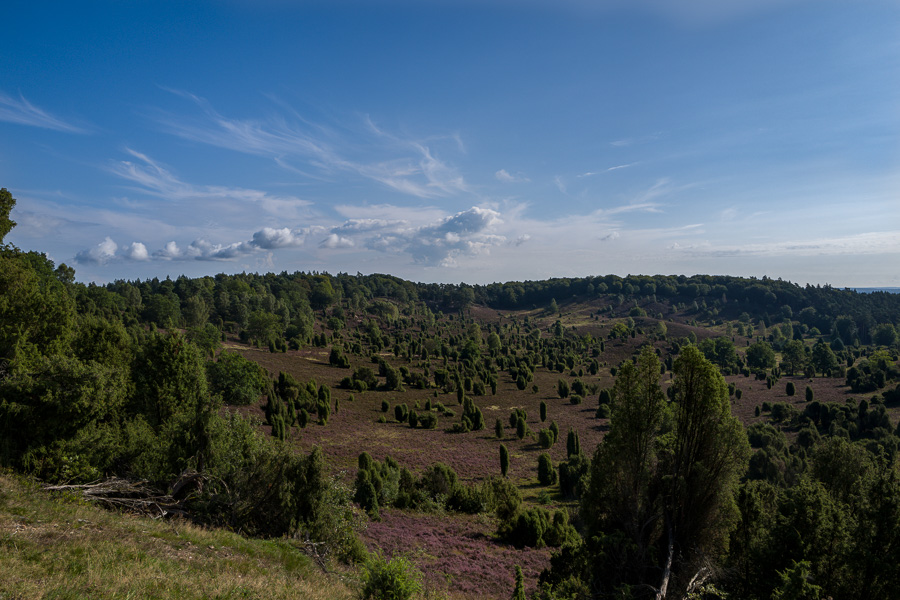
<point>57,547</point>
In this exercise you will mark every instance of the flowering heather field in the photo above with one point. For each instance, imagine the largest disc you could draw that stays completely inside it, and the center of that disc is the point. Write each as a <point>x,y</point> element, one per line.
<point>458,552</point>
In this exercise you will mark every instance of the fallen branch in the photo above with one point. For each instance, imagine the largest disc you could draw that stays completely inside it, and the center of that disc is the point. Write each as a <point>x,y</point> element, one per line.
<point>134,496</point>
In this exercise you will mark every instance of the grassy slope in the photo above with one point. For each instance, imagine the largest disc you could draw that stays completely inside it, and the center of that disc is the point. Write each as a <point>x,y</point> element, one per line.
<point>52,547</point>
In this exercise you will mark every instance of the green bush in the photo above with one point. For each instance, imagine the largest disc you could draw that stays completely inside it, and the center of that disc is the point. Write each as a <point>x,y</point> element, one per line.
<point>789,389</point>
<point>546,471</point>
<point>546,439</point>
<point>389,579</point>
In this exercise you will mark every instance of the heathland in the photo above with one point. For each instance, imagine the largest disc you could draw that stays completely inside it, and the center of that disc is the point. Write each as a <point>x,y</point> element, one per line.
<point>317,435</point>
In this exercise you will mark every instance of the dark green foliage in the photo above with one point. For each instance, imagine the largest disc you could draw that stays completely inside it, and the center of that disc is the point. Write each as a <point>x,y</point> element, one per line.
<point>473,415</point>
<point>519,590</point>
<point>336,358</point>
<point>401,413</point>
<point>546,439</point>
<point>546,470</point>
<point>573,445</point>
<point>760,355</point>
<point>498,428</point>
<point>537,527</point>
<point>605,397</point>
<point>720,351</point>
<point>521,428</point>
<point>237,380</point>
<point>575,399</point>
<point>543,411</point>
<point>823,359</point>
<point>413,419</point>
<point>562,388</point>
<point>438,480</point>
<point>385,406</point>
<point>809,394</point>
<point>366,494</point>
<point>572,475</point>
<point>603,411</point>
<point>555,429</point>
<point>427,420</point>
<point>7,202</point>
<point>504,460</point>
<point>662,473</point>
<point>789,389</point>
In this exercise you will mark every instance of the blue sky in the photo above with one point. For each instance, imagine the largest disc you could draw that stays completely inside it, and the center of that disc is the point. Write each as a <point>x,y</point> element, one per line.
<point>456,141</point>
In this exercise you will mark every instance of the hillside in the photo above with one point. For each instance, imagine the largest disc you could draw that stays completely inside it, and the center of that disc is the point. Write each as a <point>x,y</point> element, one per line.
<point>713,433</point>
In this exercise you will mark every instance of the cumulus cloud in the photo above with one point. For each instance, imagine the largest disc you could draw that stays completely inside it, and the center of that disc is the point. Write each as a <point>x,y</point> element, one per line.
<point>99,254</point>
<point>336,241</point>
<point>269,238</point>
<point>466,233</point>
<point>170,251</point>
<point>137,251</point>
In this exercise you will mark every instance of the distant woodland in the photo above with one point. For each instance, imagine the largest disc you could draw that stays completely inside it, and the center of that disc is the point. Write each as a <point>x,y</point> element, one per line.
<point>641,436</point>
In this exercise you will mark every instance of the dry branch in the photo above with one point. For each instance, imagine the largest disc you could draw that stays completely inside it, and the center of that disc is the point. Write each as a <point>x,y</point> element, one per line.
<point>134,496</point>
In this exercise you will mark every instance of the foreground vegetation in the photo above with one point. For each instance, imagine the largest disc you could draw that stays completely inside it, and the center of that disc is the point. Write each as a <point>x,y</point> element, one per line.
<point>59,547</point>
<point>662,436</point>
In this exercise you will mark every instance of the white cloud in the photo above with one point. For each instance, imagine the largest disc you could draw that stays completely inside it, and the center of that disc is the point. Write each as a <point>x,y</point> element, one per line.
<point>153,178</point>
<point>406,165</point>
<point>23,112</point>
<point>171,251</point>
<point>336,241</point>
<point>99,254</point>
<point>137,251</point>
<point>506,177</point>
<point>269,238</point>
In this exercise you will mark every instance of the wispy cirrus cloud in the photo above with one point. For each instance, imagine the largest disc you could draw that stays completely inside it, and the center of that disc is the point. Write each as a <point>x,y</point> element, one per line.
<point>153,178</point>
<point>877,242</point>
<point>607,170</point>
<point>407,165</point>
<point>23,112</point>
<point>507,177</point>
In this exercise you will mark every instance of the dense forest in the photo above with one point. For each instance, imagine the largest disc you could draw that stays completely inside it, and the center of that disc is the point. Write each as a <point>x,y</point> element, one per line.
<point>724,436</point>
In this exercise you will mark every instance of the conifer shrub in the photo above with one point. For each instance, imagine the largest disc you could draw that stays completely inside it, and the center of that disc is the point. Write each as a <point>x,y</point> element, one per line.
<point>546,471</point>
<point>546,439</point>
<point>521,428</point>
<point>427,421</point>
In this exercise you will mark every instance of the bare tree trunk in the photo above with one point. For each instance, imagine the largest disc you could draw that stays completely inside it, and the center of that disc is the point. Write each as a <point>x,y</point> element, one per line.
<point>667,572</point>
